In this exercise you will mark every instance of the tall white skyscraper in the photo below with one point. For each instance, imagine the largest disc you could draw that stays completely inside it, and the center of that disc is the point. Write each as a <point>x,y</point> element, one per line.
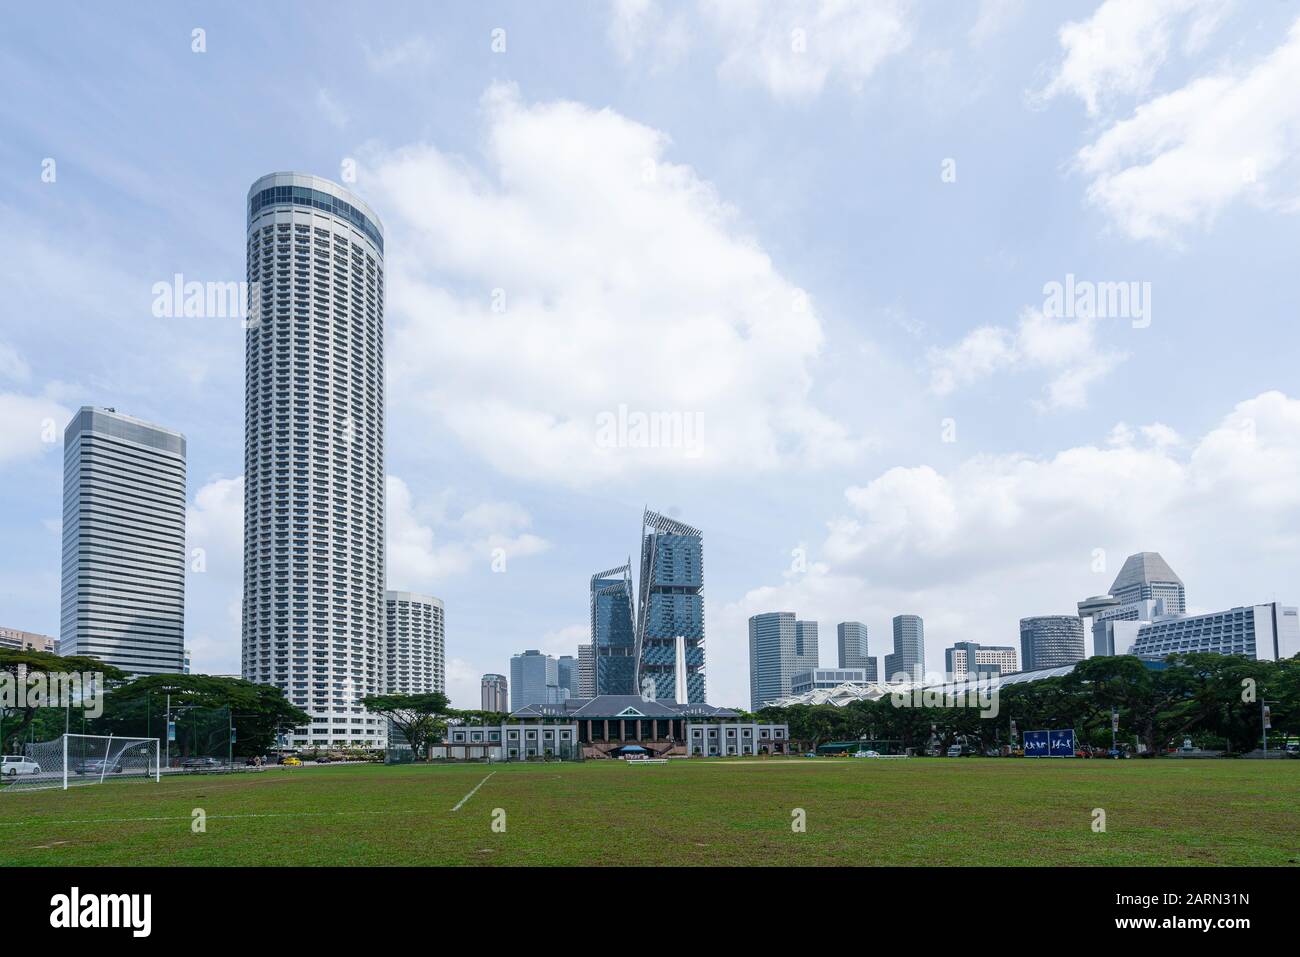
<point>314,455</point>
<point>123,542</point>
<point>417,644</point>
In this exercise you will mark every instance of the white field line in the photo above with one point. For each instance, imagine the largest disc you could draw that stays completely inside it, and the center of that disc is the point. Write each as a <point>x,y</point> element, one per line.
<point>471,793</point>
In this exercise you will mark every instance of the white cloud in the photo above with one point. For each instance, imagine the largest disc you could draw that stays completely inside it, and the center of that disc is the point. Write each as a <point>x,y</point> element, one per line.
<point>794,49</point>
<point>331,109</point>
<point>639,27</point>
<point>29,425</point>
<point>1182,158</point>
<point>1119,49</point>
<point>215,523</point>
<point>425,546</point>
<point>993,18</point>
<point>13,366</point>
<point>464,684</point>
<point>415,51</point>
<point>1066,349</point>
<point>998,537</point>
<point>579,271</point>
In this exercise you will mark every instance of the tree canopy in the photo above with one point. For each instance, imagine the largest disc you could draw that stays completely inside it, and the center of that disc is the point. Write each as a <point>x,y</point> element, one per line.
<point>419,717</point>
<point>1214,699</point>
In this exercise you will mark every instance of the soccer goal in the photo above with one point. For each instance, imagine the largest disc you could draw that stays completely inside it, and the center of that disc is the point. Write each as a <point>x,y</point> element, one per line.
<point>75,759</point>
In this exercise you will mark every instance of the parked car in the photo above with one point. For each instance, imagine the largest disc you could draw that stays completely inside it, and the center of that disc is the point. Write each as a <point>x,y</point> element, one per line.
<point>811,754</point>
<point>1117,753</point>
<point>201,764</point>
<point>323,759</point>
<point>15,764</point>
<point>866,754</point>
<point>100,766</point>
<point>291,762</point>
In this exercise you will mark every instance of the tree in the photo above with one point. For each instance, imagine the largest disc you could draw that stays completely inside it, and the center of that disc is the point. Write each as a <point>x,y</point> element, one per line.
<point>419,717</point>
<point>258,713</point>
<point>18,665</point>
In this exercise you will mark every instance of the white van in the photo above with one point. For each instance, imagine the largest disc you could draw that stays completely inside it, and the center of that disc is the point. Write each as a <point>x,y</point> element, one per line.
<point>17,764</point>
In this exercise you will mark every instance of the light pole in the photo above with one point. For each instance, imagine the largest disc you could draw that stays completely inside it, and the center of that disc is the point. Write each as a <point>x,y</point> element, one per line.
<point>1265,721</point>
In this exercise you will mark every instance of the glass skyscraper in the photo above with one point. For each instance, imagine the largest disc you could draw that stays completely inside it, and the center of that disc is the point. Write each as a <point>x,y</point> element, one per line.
<point>670,613</point>
<point>314,455</point>
<point>613,631</point>
<point>123,596</point>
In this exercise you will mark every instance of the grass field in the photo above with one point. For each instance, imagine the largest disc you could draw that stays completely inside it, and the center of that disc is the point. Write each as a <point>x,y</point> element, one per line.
<point>917,811</point>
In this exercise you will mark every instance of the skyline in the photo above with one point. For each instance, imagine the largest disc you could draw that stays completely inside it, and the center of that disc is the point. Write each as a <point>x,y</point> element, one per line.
<point>837,310</point>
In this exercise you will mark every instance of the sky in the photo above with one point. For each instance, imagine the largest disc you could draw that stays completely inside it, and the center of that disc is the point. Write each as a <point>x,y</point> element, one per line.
<point>868,257</point>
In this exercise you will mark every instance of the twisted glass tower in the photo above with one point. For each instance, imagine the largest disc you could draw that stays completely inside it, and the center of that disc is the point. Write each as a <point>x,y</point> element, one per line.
<point>313,615</point>
<point>670,614</point>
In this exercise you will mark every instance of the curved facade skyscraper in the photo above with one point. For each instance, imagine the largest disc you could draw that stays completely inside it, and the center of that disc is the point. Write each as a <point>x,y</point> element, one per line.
<point>1051,641</point>
<point>670,616</point>
<point>417,644</point>
<point>313,617</point>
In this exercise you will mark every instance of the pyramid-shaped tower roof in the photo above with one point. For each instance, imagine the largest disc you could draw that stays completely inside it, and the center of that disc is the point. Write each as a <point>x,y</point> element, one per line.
<point>1143,568</point>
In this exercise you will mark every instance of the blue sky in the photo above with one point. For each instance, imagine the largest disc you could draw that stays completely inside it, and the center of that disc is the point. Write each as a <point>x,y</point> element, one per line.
<point>821,231</point>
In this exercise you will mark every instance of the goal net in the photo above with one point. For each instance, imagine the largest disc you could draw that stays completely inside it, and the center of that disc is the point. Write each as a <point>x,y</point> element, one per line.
<point>76,759</point>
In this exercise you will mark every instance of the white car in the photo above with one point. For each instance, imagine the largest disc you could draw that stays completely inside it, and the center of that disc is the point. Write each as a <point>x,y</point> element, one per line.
<point>13,764</point>
<point>866,754</point>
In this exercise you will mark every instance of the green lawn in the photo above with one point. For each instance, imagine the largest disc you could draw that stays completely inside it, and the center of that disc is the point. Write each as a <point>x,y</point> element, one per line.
<point>915,811</point>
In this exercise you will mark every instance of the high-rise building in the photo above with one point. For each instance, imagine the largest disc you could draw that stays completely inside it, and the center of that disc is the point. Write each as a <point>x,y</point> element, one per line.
<point>28,640</point>
<point>908,658</point>
<point>123,596</point>
<point>415,652</point>
<point>780,647</point>
<point>670,612</point>
<point>566,669</point>
<point>852,640</point>
<point>314,455</point>
<point>586,670</point>
<point>1050,641</point>
<point>1269,632</point>
<point>1145,589</point>
<point>535,679</point>
<point>805,645</point>
<point>969,659</point>
<point>613,631</point>
<point>494,694</point>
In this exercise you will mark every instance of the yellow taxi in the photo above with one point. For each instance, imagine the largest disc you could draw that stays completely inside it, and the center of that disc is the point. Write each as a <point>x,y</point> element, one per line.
<point>291,763</point>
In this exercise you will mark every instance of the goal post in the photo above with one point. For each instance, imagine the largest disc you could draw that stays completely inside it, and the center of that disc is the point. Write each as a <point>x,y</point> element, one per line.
<point>78,759</point>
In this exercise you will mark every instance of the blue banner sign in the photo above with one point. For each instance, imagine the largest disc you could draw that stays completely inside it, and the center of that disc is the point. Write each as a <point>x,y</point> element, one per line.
<point>1062,744</point>
<point>1036,744</point>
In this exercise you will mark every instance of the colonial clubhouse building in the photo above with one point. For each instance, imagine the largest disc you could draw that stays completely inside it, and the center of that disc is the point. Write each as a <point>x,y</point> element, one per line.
<point>613,726</point>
